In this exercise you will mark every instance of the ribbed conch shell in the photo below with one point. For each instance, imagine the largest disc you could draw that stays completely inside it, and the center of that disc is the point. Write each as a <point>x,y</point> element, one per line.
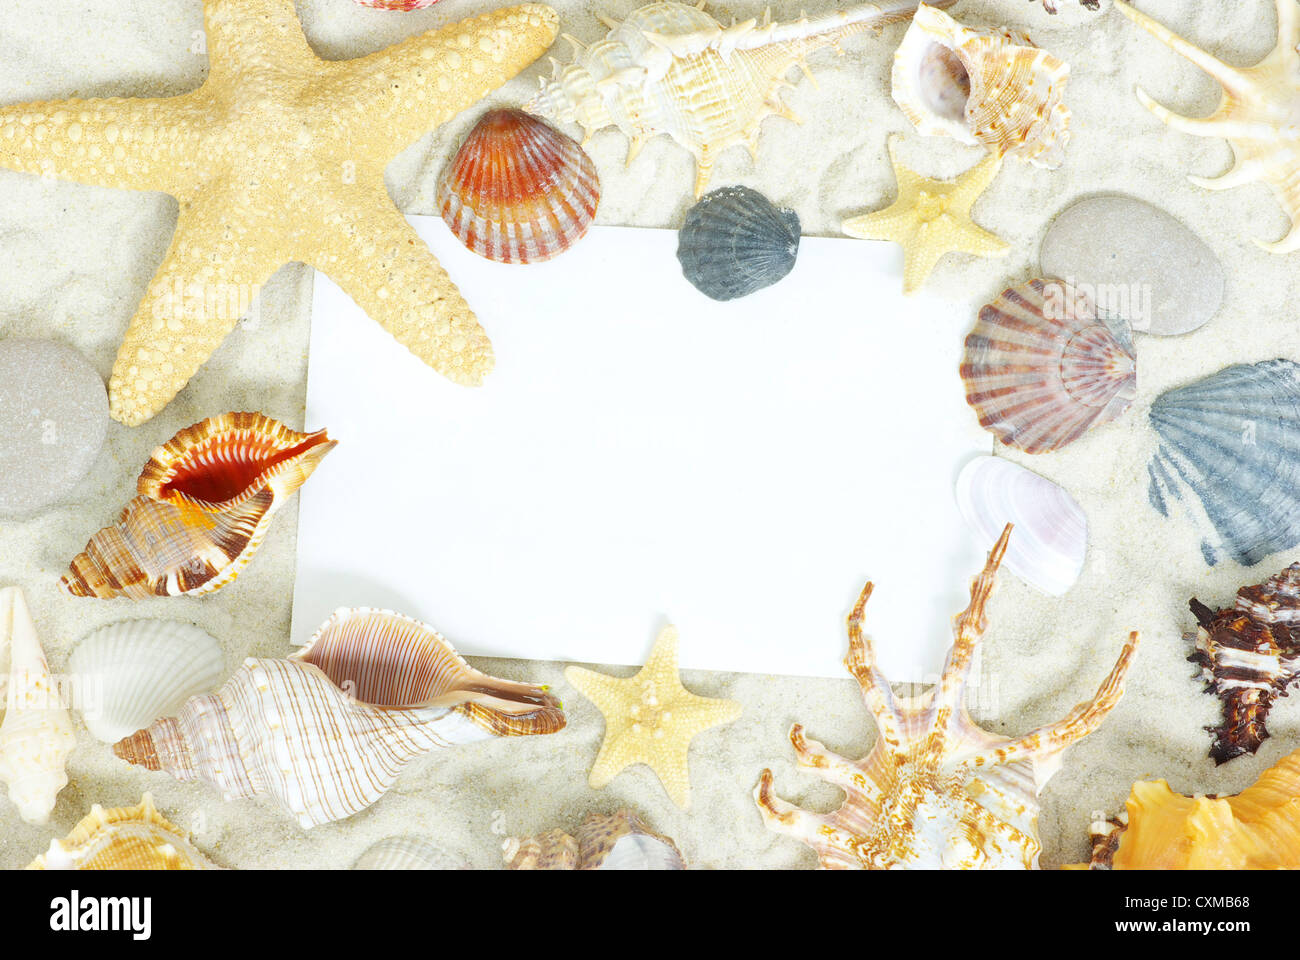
<point>1051,538</point>
<point>36,734</point>
<point>1258,829</point>
<point>736,242</point>
<point>935,790</point>
<point>1257,115</point>
<point>1249,654</point>
<point>982,87</point>
<point>124,838</point>
<point>518,190</point>
<point>1233,439</point>
<point>619,841</point>
<point>130,673</point>
<point>1041,369</point>
<point>327,731</point>
<point>670,68</point>
<point>206,499</point>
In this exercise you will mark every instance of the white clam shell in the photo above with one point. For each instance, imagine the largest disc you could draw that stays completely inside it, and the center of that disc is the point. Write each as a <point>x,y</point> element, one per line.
<point>1050,540</point>
<point>131,673</point>
<point>405,853</point>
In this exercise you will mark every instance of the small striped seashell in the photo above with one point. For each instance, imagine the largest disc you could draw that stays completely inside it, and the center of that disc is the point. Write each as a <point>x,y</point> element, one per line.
<point>1233,439</point>
<point>1051,538</point>
<point>1249,655</point>
<point>130,673</point>
<point>1041,369</point>
<point>124,838</point>
<point>36,734</point>
<point>206,499</point>
<point>518,190</point>
<point>619,841</point>
<point>982,87</point>
<point>327,731</point>
<point>405,853</point>
<point>736,242</point>
<point>401,4</point>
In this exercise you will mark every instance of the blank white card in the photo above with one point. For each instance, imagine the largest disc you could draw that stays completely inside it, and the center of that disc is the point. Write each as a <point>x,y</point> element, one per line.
<point>642,455</point>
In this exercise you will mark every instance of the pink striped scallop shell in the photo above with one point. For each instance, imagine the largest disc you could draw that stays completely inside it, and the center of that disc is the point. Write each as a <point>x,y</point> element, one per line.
<point>1041,368</point>
<point>518,190</point>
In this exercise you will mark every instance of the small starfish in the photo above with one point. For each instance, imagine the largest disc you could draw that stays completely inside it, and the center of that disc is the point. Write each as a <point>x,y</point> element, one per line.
<point>280,156</point>
<point>931,218</point>
<point>650,718</point>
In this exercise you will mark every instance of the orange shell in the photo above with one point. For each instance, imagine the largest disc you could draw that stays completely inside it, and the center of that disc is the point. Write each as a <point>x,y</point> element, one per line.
<point>124,838</point>
<point>1258,829</point>
<point>518,190</point>
<point>206,498</point>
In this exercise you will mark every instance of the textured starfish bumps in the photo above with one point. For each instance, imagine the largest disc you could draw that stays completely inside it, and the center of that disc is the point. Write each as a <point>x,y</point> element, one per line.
<point>931,218</point>
<point>280,156</point>
<point>1257,116</point>
<point>935,790</point>
<point>650,718</point>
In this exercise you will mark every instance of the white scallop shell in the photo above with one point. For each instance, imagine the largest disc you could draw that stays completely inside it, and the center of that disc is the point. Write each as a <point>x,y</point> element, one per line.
<point>131,673</point>
<point>405,853</point>
<point>1050,540</point>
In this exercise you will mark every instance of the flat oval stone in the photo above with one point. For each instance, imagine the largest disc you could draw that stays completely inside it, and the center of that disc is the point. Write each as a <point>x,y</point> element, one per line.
<point>1140,263</point>
<point>53,419</point>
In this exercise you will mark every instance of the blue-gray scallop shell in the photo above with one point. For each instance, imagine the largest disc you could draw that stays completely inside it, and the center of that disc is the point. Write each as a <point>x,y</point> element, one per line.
<point>735,242</point>
<point>1233,439</point>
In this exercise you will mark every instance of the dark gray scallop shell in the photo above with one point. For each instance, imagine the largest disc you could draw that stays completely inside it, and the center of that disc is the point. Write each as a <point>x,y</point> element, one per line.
<point>1233,439</point>
<point>735,242</point>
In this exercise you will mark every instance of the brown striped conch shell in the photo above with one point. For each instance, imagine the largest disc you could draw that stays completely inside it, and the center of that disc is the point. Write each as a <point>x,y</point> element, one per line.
<point>982,87</point>
<point>327,731</point>
<point>670,68</point>
<point>935,790</point>
<point>36,734</point>
<point>1249,655</point>
<point>124,838</point>
<point>1041,369</point>
<point>518,190</point>
<point>1258,829</point>
<point>619,841</point>
<point>206,499</point>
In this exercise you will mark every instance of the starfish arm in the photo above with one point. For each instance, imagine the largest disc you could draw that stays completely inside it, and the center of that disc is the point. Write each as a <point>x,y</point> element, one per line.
<point>971,184</point>
<point>377,258</point>
<point>697,714</point>
<point>234,48</point>
<point>970,238</point>
<point>125,143</point>
<point>395,96</point>
<point>892,223</point>
<point>919,261</point>
<point>208,280</point>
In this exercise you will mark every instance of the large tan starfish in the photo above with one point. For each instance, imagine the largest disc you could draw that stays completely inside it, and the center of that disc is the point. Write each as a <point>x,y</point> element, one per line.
<point>931,218</point>
<point>650,718</point>
<point>280,156</point>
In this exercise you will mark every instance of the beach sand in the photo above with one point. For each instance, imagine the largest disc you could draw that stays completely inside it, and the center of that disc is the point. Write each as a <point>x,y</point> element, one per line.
<point>75,260</point>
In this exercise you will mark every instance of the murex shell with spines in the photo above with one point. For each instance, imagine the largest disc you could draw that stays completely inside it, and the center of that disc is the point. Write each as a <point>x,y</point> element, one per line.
<point>1232,439</point>
<point>736,242</point>
<point>205,502</point>
<point>124,838</point>
<point>935,790</point>
<point>1249,655</point>
<point>1257,114</point>
<point>327,731</point>
<point>670,68</point>
<point>1041,368</point>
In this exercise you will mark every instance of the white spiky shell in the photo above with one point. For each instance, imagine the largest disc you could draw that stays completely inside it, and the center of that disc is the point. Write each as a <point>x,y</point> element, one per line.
<point>36,735</point>
<point>327,731</point>
<point>128,674</point>
<point>124,838</point>
<point>670,68</point>
<point>982,87</point>
<point>1257,115</point>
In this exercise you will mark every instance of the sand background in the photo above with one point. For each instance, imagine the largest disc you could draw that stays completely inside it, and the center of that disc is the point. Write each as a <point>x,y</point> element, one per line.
<point>75,260</point>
